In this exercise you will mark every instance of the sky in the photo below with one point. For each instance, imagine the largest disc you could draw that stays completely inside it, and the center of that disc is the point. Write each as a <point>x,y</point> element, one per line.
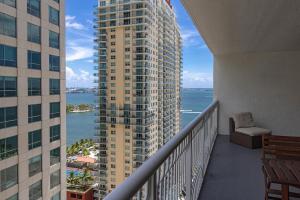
<point>197,59</point>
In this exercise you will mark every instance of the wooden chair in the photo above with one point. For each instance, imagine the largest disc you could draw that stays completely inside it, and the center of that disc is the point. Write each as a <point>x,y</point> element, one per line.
<point>279,147</point>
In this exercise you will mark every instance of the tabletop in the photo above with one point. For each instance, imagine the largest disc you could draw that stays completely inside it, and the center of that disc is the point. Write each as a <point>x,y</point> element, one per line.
<point>283,171</point>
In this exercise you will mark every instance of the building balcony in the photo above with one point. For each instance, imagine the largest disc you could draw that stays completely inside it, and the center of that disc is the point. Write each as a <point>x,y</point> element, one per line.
<point>199,164</point>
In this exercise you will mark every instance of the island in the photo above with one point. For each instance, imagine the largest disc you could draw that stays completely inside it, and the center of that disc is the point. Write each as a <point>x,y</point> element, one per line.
<point>74,108</point>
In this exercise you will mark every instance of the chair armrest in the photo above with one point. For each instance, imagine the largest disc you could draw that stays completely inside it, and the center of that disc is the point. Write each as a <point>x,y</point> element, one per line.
<point>231,125</point>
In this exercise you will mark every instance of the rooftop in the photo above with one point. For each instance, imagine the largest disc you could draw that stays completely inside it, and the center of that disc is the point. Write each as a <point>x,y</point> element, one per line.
<point>85,159</point>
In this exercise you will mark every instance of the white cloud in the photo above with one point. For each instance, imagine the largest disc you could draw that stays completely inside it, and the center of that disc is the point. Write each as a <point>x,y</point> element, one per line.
<point>191,38</point>
<point>72,23</point>
<point>90,61</point>
<point>197,80</point>
<point>188,34</point>
<point>79,42</point>
<point>77,52</point>
<point>82,78</point>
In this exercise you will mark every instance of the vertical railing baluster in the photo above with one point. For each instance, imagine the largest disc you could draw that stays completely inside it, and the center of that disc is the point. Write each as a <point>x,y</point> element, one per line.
<point>189,167</point>
<point>159,182</point>
<point>176,174</point>
<point>203,151</point>
<point>151,192</point>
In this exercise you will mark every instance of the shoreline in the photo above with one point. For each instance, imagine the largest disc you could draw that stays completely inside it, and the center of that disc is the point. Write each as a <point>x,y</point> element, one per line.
<point>79,111</point>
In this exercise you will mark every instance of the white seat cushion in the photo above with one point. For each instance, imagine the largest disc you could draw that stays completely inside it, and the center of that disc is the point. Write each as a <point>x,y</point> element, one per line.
<point>243,120</point>
<point>253,131</point>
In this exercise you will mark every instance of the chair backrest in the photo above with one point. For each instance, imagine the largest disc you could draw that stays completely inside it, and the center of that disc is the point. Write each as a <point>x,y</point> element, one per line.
<point>281,147</point>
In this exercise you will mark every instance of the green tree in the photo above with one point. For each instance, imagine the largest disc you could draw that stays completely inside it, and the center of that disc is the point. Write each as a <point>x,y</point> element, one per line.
<point>81,142</point>
<point>70,108</point>
<point>73,179</point>
<point>69,151</point>
<point>85,152</point>
<point>83,107</point>
<point>86,177</point>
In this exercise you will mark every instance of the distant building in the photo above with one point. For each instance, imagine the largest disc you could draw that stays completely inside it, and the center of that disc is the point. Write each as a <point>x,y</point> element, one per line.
<point>80,195</point>
<point>32,100</point>
<point>139,79</point>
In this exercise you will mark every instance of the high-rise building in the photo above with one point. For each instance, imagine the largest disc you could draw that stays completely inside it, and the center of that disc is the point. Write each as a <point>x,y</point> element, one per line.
<point>32,100</point>
<point>139,77</point>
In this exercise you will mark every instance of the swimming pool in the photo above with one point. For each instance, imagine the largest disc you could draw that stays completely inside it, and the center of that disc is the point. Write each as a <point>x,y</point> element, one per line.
<point>76,172</point>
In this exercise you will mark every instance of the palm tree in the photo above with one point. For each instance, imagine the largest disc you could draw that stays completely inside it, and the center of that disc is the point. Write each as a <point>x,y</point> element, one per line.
<point>85,152</point>
<point>69,151</point>
<point>90,143</point>
<point>81,142</point>
<point>74,150</point>
<point>77,145</point>
<point>86,177</point>
<point>73,179</point>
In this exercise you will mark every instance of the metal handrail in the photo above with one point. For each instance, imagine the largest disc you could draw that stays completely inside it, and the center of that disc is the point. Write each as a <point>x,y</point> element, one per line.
<point>139,178</point>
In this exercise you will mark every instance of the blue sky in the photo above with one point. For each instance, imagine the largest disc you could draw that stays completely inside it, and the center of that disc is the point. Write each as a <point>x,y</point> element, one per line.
<point>197,59</point>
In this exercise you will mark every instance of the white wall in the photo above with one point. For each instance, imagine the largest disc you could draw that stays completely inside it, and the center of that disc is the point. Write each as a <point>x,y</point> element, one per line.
<point>266,84</point>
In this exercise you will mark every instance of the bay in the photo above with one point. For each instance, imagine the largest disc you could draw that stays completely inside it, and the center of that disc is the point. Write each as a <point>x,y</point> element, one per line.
<point>81,125</point>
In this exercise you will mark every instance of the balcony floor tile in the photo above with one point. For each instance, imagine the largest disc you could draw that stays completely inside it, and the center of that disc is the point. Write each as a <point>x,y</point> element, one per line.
<point>234,173</point>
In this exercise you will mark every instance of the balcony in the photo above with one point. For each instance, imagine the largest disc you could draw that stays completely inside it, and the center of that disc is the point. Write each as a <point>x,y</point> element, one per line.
<point>256,50</point>
<point>197,164</point>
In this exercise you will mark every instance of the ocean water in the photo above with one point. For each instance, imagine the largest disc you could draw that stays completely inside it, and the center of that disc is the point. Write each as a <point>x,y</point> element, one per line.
<point>81,125</point>
<point>193,102</point>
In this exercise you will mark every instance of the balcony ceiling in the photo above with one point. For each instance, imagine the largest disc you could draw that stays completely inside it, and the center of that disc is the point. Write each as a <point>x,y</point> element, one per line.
<point>244,26</point>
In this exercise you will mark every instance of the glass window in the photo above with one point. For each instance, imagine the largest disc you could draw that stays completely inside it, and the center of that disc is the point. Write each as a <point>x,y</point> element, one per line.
<point>8,177</point>
<point>34,139</point>
<point>8,56</point>
<point>8,117</point>
<point>54,109</point>
<point>11,3</point>
<point>34,86</point>
<point>53,16</point>
<point>34,7</point>
<point>55,179</point>
<point>54,156</point>
<point>57,1</point>
<point>53,39</point>
<point>54,63</point>
<point>7,25</point>
<point>8,147</point>
<point>54,133</point>
<point>13,197</point>
<point>8,86</point>
<point>33,33</point>
<point>35,165</point>
<point>34,113</point>
<point>56,196</point>
<point>34,59</point>
<point>35,190</point>
<point>54,86</point>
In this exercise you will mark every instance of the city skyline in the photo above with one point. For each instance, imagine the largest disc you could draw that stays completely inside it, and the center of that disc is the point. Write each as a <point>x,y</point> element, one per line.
<point>197,62</point>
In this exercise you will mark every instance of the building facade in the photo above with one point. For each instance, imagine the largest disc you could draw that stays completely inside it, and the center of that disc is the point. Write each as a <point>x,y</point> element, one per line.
<point>139,78</point>
<point>32,100</point>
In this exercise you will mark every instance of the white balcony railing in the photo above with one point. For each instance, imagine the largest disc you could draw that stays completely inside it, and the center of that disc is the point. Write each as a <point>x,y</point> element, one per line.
<point>176,171</point>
